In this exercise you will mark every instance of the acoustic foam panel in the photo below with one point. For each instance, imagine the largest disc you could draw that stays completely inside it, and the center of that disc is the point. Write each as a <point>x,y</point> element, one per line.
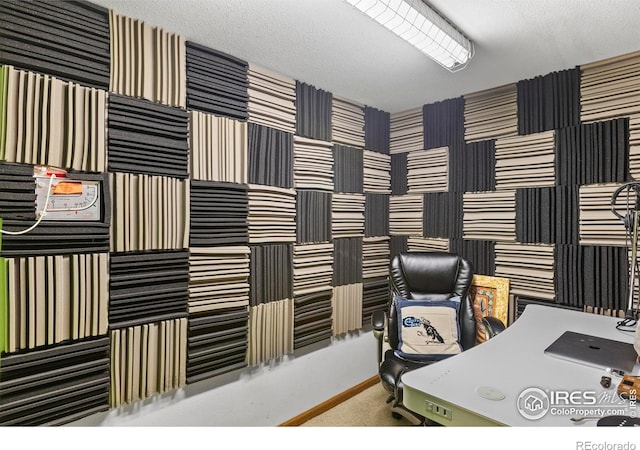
<point>147,287</point>
<point>347,308</point>
<point>472,167</point>
<point>375,257</point>
<point>377,125</point>
<point>525,161</point>
<point>443,123</point>
<point>549,102</point>
<point>375,297</point>
<point>149,212</point>
<point>547,215</point>
<point>270,331</point>
<point>481,253</point>
<point>272,99</point>
<point>420,244</point>
<point>312,164</point>
<point>347,215</point>
<point>529,267</point>
<point>442,215</point>
<point>147,62</point>
<point>270,156</point>
<point>399,174</point>
<point>489,215</point>
<point>428,170</point>
<point>217,343</point>
<point>147,360</point>
<point>593,153</point>
<point>313,112</point>
<point>312,318</point>
<point>271,276</point>
<point>272,214</point>
<point>597,223</point>
<point>313,216</point>
<point>348,163</point>
<point>56,385</point>
<point>406,131</point>
<point>218,148</point>
<point>53,299</point>
<point>376,215</point>
<point>218,214</point>
<point>377,172</point>
<point>312,268</point>
<point>397,244</point>
<point>50,237</point>
<point>634,147</point>
<point>17,193</point>
<point>405,214</point>
<point>49,121</point>
<point>609,88</point>
<point>592,276</point>
<point>347,261</point>
<point>69,40</point>
<point>218,278</point>
<point>347,122</point>
<point>147,138</point>
<point>217,83</point>
<point>491,114</point>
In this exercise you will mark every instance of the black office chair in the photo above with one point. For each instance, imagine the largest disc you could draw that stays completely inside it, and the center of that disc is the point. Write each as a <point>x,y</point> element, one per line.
<point>423,276</point>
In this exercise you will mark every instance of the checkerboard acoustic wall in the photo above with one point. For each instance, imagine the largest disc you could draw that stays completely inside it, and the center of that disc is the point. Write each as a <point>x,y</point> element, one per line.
<point>531,167</point>
<point>245,215</point>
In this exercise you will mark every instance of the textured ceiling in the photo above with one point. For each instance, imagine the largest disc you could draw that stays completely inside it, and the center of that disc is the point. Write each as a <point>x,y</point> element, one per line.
<point>331,45</point>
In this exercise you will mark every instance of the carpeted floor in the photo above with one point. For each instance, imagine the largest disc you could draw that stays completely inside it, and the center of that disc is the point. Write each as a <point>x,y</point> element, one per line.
<point>366,409</point>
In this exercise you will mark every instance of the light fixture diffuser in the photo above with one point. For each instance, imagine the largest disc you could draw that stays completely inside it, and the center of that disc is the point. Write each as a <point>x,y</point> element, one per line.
<point>421,26</point>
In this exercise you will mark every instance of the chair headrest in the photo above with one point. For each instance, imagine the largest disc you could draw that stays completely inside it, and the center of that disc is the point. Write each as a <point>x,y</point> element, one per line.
<point>431,274</point>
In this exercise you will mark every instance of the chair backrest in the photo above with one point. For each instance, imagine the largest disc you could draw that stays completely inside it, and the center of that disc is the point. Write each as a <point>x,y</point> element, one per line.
<point>433,276</point>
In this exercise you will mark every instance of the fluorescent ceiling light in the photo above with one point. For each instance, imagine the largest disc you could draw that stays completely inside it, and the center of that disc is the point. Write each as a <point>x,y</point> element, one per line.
<point>421,26</point>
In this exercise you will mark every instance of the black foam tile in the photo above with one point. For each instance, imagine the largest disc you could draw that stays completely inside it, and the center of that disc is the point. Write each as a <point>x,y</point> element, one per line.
<point>69,40</point>
<point>217,83</point>
<point>146,287</point>
<point>218,214</point>
<point>313,112</point>
<point>147,138</point>
<point>270,156</point>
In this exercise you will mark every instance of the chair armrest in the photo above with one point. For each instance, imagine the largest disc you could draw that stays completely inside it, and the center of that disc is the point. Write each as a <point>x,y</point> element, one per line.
<point>378,319</point>
<point>492,326</point>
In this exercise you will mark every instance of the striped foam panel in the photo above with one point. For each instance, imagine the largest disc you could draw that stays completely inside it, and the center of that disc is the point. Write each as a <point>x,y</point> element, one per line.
<point>147,138</point>
<point>377,125</point>
<point>547,215</point>
<point>406,131</point>
<point>348,169</point>
<point>272,99</point>
<point>270,156</point>
<point>347,264</point>
<point>420,244</point>
<point>56,385</point>
<point>313,216</point>
<point>529,267</point>
<point>428,170</point>
<point>347,122</point>
<point>525,161</point>
<point>376,215</point>
<point>69,40</point>
<point>443,123</point>
<point>442,215</point>
<point>272,214</point>
<point>375,297</point>
<point>347,308</point>
<point>489,215</point>
<point>375,257</point>
<point>472,167</point>
<point>147,287</point>
<point>491,114</point>
<point>405,214</point>
<point>377,172</point>
<point>347,215</point>
<point>313,112</point>
<point>312,164</point>
<point>399,173</point>
<point>217,83</point>
<point>218,214</point>
<point>480,252</point>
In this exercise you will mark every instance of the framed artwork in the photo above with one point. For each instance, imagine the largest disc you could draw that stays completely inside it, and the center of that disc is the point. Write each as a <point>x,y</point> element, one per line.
<point>490,297</point>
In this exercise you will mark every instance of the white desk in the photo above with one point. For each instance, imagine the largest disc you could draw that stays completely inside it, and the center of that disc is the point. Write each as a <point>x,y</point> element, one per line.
<point>512,362</point>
